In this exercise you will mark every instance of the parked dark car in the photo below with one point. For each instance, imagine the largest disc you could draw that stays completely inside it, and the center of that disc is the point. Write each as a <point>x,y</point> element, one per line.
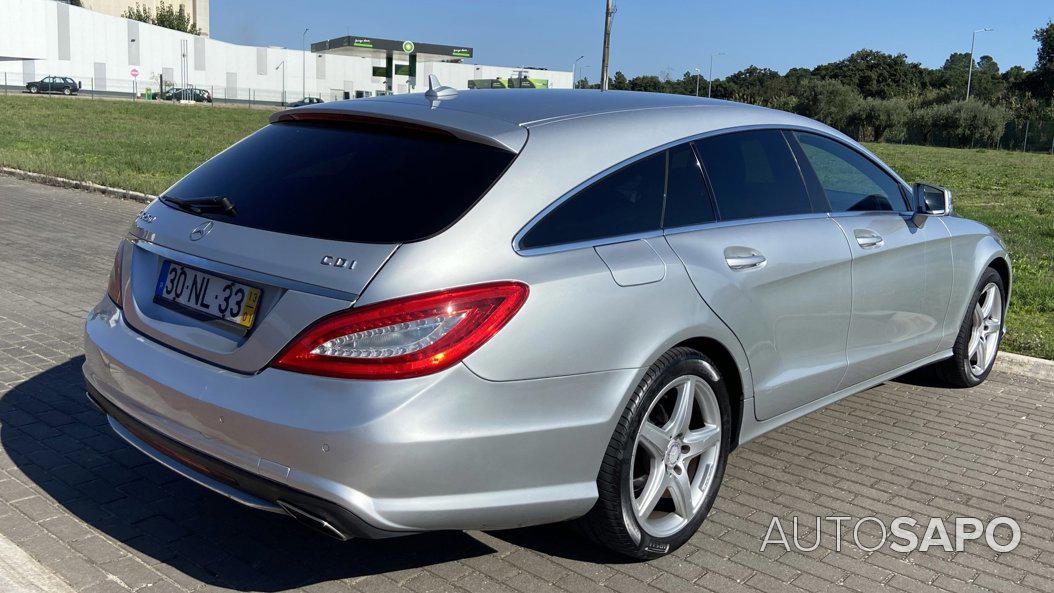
<point>54,84</point>
<point>306,101</point>
<point>187,94</point>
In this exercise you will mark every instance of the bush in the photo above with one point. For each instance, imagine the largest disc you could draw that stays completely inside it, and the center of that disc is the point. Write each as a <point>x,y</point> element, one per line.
<point>886,118</point>
<point>962,124</point>
<point>833,103</point>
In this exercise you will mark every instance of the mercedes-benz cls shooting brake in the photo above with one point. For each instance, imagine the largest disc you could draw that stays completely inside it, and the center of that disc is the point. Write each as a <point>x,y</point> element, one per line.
<point>507,308</point>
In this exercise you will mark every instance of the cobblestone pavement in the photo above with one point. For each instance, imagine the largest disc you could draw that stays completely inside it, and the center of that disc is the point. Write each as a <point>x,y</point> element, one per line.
<point>104,518</point>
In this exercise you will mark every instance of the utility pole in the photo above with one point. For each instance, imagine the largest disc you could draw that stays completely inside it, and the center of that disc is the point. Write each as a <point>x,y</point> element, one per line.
<point>303,53</point>
<point>608,14</point>
<point>710,77</point>
<point>969,76</point>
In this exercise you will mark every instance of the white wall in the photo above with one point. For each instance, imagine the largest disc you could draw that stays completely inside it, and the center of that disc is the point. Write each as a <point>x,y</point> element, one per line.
<point>31,28</point>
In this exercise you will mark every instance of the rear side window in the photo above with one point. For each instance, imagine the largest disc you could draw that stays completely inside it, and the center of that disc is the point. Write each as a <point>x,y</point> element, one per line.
<point>345,182</point>
<point>625,202</point>
<point>851,182</point>
<point>687,198</point>
<point>753,175</point>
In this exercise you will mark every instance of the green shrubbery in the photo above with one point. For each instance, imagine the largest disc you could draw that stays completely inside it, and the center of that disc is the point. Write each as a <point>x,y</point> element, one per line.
<point>872,95</point>
<point>956,123</point>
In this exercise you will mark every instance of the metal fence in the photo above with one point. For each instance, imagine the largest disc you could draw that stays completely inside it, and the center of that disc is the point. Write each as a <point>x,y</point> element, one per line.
<point>150,90</point>
<point>1029,136</point>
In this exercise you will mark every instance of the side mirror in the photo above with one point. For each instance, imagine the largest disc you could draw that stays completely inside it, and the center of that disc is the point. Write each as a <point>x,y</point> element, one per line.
<point>931,200</point>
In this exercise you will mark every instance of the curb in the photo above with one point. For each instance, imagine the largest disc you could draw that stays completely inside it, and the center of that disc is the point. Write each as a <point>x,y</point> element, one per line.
<point>115,192</point>
<point>1017,364</point>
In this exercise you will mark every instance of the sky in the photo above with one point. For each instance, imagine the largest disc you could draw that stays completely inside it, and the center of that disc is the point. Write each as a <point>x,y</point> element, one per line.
<point>655,36</point>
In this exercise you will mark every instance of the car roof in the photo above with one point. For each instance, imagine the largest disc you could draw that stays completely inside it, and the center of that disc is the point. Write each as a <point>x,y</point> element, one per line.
<point>502,117</point>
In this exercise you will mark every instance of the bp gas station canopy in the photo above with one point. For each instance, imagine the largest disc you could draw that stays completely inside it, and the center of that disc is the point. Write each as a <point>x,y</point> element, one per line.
<point>372,47</point>
<point>389,50</point>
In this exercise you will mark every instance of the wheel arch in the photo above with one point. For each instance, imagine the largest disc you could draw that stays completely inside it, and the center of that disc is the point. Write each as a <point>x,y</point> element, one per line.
<point>1001,265</point>
<point>729,369</point>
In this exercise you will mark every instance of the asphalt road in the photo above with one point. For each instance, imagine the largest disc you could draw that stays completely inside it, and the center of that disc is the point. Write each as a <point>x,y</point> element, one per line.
<point>99,515</point>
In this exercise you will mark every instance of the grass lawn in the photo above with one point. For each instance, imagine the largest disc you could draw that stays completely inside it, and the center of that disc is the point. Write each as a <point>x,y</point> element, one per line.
<point>147,146</point>
<point>143,145</point>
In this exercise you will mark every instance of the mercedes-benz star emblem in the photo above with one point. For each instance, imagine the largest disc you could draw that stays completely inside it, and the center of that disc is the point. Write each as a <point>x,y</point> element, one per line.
<point>200,231</point>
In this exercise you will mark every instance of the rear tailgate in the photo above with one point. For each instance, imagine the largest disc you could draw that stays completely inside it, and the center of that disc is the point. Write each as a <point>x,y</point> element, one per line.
<point>319,207</point>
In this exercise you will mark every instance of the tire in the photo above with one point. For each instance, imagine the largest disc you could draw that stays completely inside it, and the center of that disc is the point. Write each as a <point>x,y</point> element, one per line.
<point>34,89</point>
<point>66,90</point>
<point>965,368</point>
<point>613,522</point>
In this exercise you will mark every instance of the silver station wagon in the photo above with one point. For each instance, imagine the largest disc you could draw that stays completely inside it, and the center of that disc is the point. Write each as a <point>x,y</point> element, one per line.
<point>495,309</point>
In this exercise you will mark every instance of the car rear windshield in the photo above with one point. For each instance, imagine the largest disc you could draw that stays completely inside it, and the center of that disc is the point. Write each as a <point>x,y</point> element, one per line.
<point>353,182</point>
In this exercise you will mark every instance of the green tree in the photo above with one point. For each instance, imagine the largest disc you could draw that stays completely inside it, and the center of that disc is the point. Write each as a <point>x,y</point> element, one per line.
<point>166,15</point>
<point>875,74</point>
<point>618,82</point>
<point>1041,80</point>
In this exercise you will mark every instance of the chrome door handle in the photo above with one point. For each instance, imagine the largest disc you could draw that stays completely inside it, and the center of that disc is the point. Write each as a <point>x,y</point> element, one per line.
<point>868,239</point>
<point>743,258</point>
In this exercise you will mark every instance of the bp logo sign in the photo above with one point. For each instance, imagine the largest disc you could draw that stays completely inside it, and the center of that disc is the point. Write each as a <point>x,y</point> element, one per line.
<point>408,47</point>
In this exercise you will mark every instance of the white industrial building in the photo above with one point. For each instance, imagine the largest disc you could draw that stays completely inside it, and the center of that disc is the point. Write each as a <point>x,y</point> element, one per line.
<point>113,55</point>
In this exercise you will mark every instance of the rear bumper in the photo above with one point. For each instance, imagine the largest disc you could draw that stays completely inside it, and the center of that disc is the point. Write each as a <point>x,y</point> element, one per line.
<point>239,485</point>
<point>372,458</point>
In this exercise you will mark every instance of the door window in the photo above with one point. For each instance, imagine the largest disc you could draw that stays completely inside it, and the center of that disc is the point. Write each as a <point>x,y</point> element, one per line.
<point>687,198</point>
<point>850,180</point>
<point>626,202</point>
<point>753,174</point>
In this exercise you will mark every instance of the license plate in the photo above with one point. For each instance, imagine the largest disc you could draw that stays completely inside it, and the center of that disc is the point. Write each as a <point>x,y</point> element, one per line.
<point>211,295</point>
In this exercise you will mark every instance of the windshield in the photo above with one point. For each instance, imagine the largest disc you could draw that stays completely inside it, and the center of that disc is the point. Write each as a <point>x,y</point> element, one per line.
<point>353,182</point>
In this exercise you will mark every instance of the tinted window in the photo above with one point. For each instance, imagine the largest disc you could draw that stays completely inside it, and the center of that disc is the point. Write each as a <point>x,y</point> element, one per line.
<point>753,174</point>
<point>347,183</point>
<point>625,202</point>
<point>687,198</point>
<point>851,182</point>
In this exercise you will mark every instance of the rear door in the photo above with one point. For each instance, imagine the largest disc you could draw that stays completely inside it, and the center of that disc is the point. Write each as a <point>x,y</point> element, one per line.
<point>774,267</point>
<point>900,271</point>
<point>318,207</point>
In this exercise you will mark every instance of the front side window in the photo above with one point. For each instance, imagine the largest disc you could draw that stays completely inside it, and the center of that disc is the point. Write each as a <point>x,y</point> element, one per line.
<point>753,175</point>
<point>851,182</point>
<point>626,202</point>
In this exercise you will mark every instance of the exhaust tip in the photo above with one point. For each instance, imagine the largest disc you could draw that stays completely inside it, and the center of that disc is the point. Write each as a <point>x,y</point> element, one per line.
<point>313,521</point>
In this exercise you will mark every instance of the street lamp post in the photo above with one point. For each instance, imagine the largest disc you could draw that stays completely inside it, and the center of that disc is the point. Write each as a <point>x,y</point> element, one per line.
<point>710,76</point>
<point>574,68</point>
<point>303,53</point>
<point>282,66</point>
<point>698,73</point>
<point>969,76</point>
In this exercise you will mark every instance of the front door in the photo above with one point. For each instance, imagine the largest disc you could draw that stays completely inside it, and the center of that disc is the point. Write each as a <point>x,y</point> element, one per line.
<point>774,267</point>
<point>900,273</point>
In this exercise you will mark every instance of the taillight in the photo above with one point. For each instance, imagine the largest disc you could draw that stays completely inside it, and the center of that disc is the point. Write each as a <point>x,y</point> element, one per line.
<point>113,286</point>
<point>406,337</point>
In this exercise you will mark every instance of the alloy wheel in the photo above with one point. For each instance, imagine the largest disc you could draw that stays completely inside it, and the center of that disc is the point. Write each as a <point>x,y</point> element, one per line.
<point>675,456</point>
<point>984,335</point>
